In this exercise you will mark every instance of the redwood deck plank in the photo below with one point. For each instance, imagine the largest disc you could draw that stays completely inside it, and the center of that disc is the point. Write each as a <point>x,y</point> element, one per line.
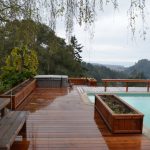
<point>60,120</point>
<point>122,141</point>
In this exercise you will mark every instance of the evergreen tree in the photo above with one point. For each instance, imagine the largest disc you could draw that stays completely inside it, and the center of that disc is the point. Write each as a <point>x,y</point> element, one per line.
<point>77,49</point>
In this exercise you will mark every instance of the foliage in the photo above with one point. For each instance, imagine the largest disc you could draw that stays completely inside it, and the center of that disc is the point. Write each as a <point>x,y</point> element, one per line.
<point>12,78</point>
<point>11,10</point>
<point>99,72</point>
<point>83,11</point>
<point>140,70</point>
<point>16,34</point>
<point>114,104</point>
<point>77,49</point>
<point>54,55</point>
<point>3,87</point>
<point>20,65</point>
<point>20,60</point>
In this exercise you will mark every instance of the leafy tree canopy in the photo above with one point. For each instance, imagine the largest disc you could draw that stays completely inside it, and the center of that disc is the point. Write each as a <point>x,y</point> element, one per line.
<point>20,64</point>
<point>22,59</point>
<point>55,56</point>
<point>81,11</point>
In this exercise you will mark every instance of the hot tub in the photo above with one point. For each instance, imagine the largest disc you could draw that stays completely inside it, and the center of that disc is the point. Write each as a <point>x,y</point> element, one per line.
<point>52,81</point>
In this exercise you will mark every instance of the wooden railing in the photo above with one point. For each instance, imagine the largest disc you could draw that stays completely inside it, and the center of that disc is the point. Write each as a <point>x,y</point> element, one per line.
<point>126,81</point>
<point>83,81</point>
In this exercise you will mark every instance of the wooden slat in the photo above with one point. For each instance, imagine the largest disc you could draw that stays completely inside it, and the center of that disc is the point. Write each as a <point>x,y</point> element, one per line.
<point>106,81</point>
<point>127,80</point>
<point>60,120</point>
<point>4,102</point>
<point>122,141</point>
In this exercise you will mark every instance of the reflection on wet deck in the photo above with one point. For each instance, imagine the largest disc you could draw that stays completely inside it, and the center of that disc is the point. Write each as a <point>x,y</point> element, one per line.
<point>60,120</point>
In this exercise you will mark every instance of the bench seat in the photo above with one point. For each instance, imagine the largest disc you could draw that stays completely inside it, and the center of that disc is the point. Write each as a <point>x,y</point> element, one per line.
<point>12,124</point>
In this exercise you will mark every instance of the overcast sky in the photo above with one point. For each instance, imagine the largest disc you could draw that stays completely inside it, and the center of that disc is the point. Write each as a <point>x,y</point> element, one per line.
<point>112,42</point>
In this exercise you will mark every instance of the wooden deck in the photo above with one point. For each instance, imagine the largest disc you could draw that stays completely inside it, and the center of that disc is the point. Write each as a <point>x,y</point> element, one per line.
<point>60,120</point>
<point>122,141</point>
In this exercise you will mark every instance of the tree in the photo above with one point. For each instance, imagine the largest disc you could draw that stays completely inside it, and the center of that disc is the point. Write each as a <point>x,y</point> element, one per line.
<point>21,60</point>
<point>21,64</point>
<point>11,10</point>
<point>54,55</point>
<point>81,11</point>
<point>77,49</point>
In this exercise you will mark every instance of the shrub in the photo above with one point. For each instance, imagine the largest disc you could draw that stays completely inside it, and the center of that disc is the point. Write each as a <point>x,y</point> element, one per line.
<point>21,64</point>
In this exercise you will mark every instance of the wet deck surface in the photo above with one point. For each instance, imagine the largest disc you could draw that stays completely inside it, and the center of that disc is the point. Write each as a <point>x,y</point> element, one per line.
<point>122,141</point>
<point>60,120</point>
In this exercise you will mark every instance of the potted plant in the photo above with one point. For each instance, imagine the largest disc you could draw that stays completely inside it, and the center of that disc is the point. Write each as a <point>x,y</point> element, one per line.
<point>20,92</point>
<point>119,116</point>
<point>17,74</point>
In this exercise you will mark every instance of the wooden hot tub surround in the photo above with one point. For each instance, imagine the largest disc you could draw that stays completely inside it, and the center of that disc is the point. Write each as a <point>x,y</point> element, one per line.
<point>119,123</point>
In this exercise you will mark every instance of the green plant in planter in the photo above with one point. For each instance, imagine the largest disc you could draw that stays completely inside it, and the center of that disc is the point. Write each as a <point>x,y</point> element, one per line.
<point>22,59</point>
<point>3,87</point>
<point>21,64</point>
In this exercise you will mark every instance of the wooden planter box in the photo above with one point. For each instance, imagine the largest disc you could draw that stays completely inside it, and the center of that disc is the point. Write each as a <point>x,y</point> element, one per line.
<point>92,82</point>
<point>119,123</point>
<point>83,81</point>
<point>78,81</point>
<point>20,92</point>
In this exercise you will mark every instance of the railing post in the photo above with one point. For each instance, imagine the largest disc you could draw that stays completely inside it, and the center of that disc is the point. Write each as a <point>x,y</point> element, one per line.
<point>3,112</point>
<point>105,84</point>
<point>147,86</point>
<point>126,86</point>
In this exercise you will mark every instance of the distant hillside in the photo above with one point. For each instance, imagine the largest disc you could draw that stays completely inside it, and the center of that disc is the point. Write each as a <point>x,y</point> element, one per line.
<point>99,72</point>
<point>142,67</point>
<point>140,70</point>
<point>116,67</point>
<point>112,67</point>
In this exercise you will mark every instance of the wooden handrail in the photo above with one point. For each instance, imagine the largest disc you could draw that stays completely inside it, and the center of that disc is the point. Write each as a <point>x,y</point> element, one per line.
<point>106,81</point>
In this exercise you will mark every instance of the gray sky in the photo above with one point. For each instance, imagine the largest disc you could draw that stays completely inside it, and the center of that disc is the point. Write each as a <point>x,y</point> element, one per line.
<point>112,42</point>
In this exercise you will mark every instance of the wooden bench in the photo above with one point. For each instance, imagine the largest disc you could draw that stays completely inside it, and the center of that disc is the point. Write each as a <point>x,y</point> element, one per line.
<point>12,124</point>
<point>106,81</point>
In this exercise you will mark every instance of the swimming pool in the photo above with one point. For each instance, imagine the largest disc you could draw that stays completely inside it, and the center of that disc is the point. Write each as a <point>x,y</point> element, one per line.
<point>139,101</point>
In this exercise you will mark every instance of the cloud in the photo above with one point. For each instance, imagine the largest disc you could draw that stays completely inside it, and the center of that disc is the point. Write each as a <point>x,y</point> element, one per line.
<point>112,42</point>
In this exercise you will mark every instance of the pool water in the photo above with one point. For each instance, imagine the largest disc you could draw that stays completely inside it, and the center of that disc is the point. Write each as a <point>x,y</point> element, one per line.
<point>140,102</point>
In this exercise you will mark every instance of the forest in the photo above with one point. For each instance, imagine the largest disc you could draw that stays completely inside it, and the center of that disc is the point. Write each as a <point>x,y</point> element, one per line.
<point>28,48</point>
